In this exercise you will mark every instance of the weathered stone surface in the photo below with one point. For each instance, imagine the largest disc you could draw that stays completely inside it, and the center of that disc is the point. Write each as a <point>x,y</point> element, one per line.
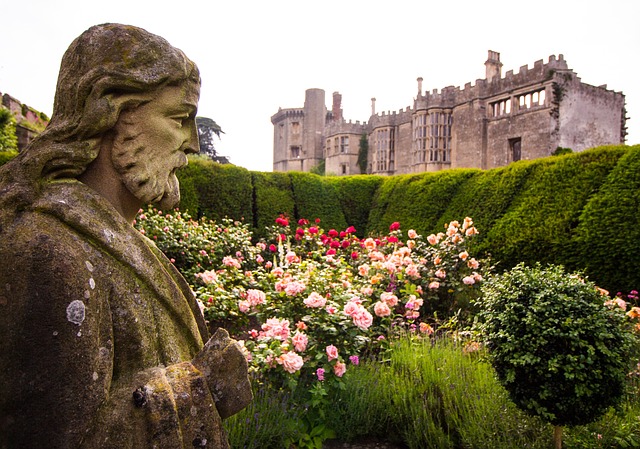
<point>102,340</point>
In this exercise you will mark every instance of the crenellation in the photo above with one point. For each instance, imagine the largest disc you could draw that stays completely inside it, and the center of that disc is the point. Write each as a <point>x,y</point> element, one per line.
<point>497,120</point>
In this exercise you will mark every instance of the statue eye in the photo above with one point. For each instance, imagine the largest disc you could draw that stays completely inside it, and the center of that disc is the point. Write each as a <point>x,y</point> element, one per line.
<point>181,119</point>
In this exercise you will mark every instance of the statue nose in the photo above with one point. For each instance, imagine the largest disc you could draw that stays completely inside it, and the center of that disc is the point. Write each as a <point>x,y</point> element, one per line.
<point>192,144</point>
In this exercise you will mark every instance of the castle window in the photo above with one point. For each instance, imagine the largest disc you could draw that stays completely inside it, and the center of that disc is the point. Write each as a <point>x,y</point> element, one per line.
<point>501,107</point>
<point>294,152</point>
<point>420,137</point>
<point>384,144</point>
<point>343,169</point>
<point>344,144</point>
<point>295,127</point>
<point>439,136</point>
<point>528,100</point>
<point>515,146</point>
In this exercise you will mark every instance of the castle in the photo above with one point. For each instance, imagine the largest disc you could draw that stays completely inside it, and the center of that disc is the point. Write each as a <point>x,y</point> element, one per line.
<point>490,124</point>
<point>29,121</point>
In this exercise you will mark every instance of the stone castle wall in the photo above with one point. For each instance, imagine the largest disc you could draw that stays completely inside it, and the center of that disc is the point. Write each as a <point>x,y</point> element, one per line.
<point>497,120</point>
<point>29,121</point>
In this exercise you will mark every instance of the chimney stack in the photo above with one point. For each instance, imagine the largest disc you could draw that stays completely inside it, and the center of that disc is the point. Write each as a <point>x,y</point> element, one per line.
<point>419,86</point>
<point>373,106</point>
<point>336,109</point>
<point>493,66</point>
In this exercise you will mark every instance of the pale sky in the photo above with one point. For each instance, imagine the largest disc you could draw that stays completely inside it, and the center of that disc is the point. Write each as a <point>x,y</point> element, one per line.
<point>258,55</point>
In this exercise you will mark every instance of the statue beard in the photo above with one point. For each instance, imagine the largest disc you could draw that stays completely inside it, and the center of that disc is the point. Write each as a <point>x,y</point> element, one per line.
<point>133,161</point>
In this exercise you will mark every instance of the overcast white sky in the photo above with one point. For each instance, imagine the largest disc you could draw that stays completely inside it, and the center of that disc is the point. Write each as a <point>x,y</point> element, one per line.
<point>257,55</point>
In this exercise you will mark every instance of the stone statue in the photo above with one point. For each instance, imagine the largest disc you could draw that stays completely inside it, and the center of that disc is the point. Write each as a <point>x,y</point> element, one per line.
<point>101,339</point>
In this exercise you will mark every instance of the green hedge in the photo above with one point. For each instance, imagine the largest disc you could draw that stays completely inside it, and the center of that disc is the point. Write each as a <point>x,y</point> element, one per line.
<point>355,194</point>
<point>545,211</point>
<point>580,210</point>
<point>608,235</point>
<point>272,196</point>
<point>316,198</point>
<point>221,190</point>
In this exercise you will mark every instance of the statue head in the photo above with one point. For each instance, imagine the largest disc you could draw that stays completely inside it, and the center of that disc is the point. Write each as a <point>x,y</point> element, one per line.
<point>108,70</point>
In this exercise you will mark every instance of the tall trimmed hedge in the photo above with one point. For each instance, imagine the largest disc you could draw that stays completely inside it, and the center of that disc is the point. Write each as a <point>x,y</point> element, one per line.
<point>221,190</point>
<point>580,210</point>
<point>272,196</point>
<point>540,223</point>
<point>316,198</point>
<point>355,194</point>
<point>608,235</point>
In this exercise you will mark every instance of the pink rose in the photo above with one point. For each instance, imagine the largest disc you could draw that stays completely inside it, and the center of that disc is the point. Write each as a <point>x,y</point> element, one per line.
<point>354,359</point>
<point>331,309</point>
<point>332,352</point>
<point>473,264</point>
<point>339,369</point>
<point>256,297</point>
<point>468,280</point>
<point>208,277</point>
<point>363,270</point>
<point>381,309</point>
<point>300,341</point>
<point>244,306</point>
<point>389,298</point>
<point>320,373</point>
<point>290,361</point>
<point>294,287</point>
<point>412,271</point>
<point>434,285</point>
<point>362,318</point>
<point>367,291</point>
<point>463,255</point>
<point>315,300</point>
<point>441,274</point>
<point>432,239</point>
<point>412,234</point>
<point>351,307</point>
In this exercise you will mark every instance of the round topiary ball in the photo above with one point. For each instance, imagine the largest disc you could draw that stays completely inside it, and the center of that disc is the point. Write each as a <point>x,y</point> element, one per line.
<point>559,351</point>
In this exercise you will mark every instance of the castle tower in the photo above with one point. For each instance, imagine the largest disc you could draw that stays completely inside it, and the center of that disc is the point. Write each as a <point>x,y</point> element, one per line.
<point>493,66</point>
<point>315,114</point>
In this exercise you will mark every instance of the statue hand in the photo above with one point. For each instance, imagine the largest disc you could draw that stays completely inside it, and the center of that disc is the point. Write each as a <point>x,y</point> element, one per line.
<point>225,369</point>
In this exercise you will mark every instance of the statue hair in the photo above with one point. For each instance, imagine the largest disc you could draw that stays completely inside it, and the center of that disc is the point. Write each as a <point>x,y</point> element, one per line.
<point>106,70</point>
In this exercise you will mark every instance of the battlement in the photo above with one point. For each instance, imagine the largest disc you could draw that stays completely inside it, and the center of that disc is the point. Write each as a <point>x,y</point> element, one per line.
<point>451,96</point>
<point>345,127</point>
<point>390,118</point>
<point>287,113</point>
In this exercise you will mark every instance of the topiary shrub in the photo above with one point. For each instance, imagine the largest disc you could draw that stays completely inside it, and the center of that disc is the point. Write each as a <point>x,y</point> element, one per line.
<point>561,352</point>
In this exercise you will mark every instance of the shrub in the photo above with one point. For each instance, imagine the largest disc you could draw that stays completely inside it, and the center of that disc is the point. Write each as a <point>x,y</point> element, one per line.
<point>559,350</point>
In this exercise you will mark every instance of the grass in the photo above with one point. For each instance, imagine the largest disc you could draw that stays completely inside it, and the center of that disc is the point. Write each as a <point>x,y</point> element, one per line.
<point>431,394</point>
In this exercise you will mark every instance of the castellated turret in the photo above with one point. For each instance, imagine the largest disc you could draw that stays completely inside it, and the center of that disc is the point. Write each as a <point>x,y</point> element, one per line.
<point>497,120</point>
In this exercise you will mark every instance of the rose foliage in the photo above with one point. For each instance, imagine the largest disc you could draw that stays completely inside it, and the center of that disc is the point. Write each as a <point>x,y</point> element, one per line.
<point>309,302</point>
